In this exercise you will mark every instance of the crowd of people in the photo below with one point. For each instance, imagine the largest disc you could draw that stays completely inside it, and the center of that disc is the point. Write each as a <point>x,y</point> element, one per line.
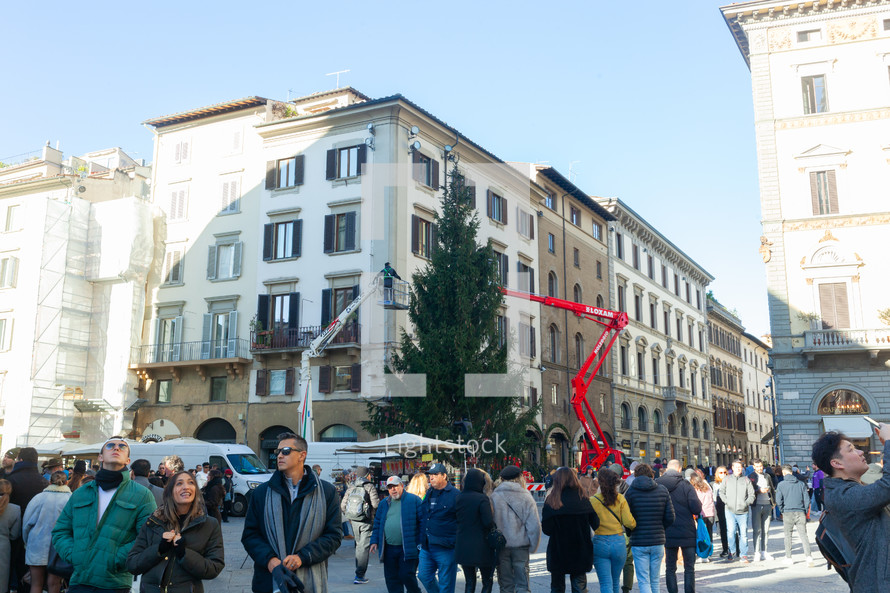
<point>93,529</point>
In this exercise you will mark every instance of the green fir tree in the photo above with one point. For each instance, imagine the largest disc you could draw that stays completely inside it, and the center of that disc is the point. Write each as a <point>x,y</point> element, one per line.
<point>454,304</point>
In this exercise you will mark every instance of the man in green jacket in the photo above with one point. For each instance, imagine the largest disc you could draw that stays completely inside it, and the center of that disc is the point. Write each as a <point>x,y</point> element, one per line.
<point>99,524</point>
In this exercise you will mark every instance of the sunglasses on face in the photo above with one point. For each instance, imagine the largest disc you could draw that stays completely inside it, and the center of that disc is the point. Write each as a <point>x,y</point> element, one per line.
<point>113,446</point>
<point>287,451</point>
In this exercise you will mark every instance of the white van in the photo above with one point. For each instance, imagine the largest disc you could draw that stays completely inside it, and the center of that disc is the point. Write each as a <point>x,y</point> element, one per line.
<point>248,471</point>
<point>333,464</point>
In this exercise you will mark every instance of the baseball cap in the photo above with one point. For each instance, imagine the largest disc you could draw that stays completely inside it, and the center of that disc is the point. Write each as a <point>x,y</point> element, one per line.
<point>436,468</point>
<point>393,481</point>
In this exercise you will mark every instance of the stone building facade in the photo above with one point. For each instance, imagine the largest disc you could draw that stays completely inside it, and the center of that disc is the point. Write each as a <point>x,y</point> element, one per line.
<point>819,75</point>
<point>660,385</point>
<point>725,360</point>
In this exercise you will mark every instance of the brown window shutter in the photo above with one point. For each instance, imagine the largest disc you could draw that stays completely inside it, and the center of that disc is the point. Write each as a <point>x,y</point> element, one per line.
<point>324,379</point>
<point>355,378</point>
<point>814,192</point>
<point>504,209</point>
<point>827,306</point>
<point>415,235</point>
<point>435,180</point>
<point>416,174</point>
<point>261,382</point>
<point>531,226</point>
<point>471,187</point>
<point>350,231</point>
<point>297,246</point>
<point>832,192</point>
<point>362,158</point>
<point>289,381</point>
<point>267,241</point>
<point>488,198</point>
<point>271,170</point>
<point>331,165</point>
<point>300,167</point>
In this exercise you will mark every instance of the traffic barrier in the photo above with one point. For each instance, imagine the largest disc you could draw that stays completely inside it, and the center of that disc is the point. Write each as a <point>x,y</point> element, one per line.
<point>535,487</point>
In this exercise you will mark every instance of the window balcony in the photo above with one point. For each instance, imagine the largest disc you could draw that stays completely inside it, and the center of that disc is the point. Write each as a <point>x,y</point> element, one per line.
<point>847,340</point>
<point>232,354</point>
<point>299,338</point>
<point>676,398</point>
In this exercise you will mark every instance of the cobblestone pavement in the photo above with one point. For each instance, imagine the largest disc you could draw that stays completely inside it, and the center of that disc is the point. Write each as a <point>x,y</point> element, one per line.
<point>767,576</point>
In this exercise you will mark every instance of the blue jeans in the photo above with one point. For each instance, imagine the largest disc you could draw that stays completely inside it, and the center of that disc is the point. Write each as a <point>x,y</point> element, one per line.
<point>609,556</point>
<point>733,520</point>
<point>399,572</point>
<point>441,560</point>
<point>647,561</point>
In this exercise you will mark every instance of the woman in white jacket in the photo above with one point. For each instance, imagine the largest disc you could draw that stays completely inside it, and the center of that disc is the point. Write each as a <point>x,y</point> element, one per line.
<point>516,516</point>
<point>37,530</point>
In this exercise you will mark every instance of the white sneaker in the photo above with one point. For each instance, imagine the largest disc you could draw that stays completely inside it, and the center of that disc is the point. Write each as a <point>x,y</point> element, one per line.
<point>766,556</point>
<point>787,561</point>
<point>810,561</point>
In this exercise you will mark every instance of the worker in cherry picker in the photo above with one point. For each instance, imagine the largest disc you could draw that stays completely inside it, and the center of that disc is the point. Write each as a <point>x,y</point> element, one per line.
<point>388,274</point>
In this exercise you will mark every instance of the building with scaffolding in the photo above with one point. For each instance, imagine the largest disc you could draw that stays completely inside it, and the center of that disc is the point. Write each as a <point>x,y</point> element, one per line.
<point>76,241</point>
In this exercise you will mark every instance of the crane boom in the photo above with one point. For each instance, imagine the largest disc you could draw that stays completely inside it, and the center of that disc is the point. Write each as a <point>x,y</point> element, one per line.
<point>615,321</point>
<point>317,346</point>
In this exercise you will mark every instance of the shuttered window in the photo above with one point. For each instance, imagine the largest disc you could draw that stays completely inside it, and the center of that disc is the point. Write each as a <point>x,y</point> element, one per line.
<point>497,207</point>
<point>173,265</point>
<point>823,192</point>
<point>282,240</point>
<point>425,170</point>
<point>339,232</point>
<point>342,163</point>
<point>423,236</point>
<point>285,173</point>
<point>230,200</point>
<point>178,204</point>
<point>834,305</point>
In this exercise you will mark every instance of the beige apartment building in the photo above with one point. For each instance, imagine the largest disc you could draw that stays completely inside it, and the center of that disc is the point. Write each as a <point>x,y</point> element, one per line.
<point>277,215</point>
<point>759,403</point>
<point>660,372</point>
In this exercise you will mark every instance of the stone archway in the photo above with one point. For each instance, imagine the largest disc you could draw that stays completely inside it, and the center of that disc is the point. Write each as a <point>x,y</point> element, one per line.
<point>216,430</point>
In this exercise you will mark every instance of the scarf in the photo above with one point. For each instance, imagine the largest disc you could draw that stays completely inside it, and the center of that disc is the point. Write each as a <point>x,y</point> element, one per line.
<point>313,515</point>
<point>109,480</point>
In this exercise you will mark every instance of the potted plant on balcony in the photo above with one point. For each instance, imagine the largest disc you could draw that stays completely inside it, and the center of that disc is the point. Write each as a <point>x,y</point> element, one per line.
<point>261,339</point>
<point>814,319</point>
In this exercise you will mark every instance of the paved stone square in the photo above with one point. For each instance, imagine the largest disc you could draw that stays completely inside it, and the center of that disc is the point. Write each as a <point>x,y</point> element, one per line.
<point>770,576</point>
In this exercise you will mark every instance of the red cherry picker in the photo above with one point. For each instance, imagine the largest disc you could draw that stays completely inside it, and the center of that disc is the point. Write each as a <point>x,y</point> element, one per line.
<point>592,453</point>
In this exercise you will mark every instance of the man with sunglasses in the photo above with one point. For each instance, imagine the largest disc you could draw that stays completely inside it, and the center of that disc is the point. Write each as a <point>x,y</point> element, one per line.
<point>292,524</point>
<point>100,522</point>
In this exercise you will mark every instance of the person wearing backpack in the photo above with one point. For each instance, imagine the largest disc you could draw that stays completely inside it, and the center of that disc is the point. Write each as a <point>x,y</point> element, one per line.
<point>855,509</point>
<point>791,499</point>
<point>358,507</point>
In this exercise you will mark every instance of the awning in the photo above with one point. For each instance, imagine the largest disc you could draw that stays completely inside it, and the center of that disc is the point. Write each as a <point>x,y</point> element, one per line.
<point>768,436</point>
<point>853,426</point>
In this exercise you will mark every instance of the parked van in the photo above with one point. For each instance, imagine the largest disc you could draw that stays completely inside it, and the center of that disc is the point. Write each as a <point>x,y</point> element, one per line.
<point>334,464</point>
<point>248,471</point>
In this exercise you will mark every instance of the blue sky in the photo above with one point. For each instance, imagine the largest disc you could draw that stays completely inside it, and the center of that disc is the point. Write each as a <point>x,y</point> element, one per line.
<point>652,102</point>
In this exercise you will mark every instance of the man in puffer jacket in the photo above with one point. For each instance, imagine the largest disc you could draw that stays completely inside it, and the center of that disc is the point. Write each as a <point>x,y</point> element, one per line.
<point>516,515</point>
<point>396,536</point>
<point>682,534</point>
<point>650,504</point>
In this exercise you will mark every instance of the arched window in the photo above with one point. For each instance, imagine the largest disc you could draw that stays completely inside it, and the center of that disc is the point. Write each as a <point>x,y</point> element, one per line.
<point>552,285</point>
<point>656,422</point>
<point>684,427</point>
<point>338,433</point>
<point>576,292</point>
<point>843,401</point>
<point>705,433</point>
<point>695,433</point>
<point>672,428</point>
<point>600,302</point>
<point>579,350</point>
<point>642,420</point>
<point>625,416</point>
<point>554,343</point>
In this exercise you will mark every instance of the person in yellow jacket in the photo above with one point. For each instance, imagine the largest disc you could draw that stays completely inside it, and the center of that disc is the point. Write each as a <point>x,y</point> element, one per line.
<point>610,543</point>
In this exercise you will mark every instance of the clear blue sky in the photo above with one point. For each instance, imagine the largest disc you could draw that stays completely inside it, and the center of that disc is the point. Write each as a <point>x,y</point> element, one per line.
<point>652,100</point>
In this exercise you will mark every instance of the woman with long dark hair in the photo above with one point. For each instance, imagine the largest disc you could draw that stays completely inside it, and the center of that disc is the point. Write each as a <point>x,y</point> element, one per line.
<point>214,493</point>
<point>719,506</point>
<point>474,519</point>
<point>179,546</point>
<point>610,543</point>
<point>568,519</point>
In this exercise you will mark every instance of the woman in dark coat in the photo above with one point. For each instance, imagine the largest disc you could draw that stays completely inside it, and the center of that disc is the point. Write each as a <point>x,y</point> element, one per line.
<point>568,519</point>
<point>179,546</point>
<point>214,494</point>
<point>474,519</point>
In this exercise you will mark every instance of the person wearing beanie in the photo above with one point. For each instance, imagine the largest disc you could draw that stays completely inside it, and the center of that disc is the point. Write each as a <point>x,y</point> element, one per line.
<point>358,506</point>
<point>516,515</point>
<point>96,545</point>
<point>8,462</point>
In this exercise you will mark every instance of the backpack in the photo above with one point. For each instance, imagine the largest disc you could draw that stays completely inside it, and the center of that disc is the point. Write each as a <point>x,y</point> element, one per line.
<point>358,504</point>
<point>834,546</point>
